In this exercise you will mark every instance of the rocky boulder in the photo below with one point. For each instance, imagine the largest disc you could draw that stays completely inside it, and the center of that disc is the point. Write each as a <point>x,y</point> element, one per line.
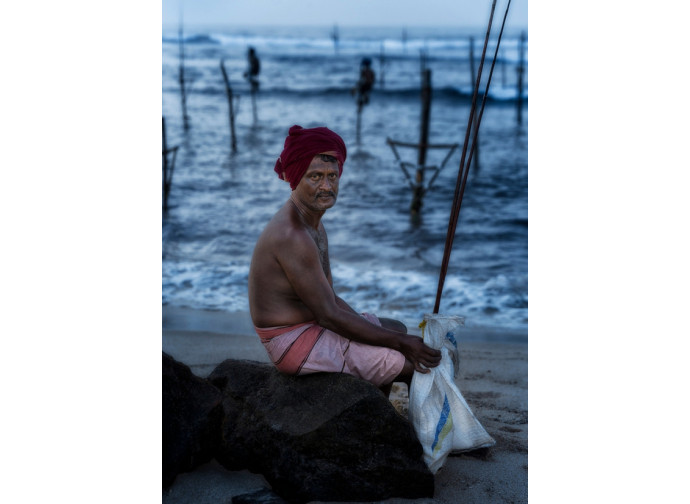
<point>327,437</point>
<point>192,416</point>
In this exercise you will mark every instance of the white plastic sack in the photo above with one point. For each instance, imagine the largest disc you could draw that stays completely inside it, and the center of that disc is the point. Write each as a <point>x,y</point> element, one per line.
<point>441,418</point>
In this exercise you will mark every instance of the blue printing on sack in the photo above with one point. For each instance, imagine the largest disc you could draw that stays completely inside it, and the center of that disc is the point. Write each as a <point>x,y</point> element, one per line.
<point>444,423</point>
<point>450,336</point>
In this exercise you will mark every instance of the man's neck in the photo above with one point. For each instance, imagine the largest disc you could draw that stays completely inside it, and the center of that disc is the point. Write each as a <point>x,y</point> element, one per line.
<point>309,217</point>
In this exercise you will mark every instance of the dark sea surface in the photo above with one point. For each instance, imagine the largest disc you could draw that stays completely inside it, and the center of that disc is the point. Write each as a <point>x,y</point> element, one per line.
<point>383,261</point>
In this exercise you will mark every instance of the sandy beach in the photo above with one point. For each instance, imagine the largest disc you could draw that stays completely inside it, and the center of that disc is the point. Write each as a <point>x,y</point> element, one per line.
<point>492,378</point>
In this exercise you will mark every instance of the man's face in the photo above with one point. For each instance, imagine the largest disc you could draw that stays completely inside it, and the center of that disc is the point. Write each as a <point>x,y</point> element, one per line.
<point>318,188</point>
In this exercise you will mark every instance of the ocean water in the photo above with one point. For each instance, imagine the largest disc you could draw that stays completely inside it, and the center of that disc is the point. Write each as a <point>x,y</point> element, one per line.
<point>383,261</point>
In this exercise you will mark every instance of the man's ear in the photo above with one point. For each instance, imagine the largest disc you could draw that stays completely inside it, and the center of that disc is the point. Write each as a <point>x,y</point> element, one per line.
<point>285,177</point>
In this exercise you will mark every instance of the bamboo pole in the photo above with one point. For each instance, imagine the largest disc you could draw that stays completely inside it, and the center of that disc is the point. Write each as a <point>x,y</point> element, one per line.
<point>228,92</point>
<point>463,169</point>
<point>426,114</point>
<point>486,93</point>
<point>423,142</point>
<point>520,72</point>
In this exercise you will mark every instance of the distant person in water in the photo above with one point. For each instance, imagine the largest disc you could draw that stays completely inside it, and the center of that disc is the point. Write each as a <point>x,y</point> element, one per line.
<point>365,82</point>
<point>304,325</point>
<point>253,69</point>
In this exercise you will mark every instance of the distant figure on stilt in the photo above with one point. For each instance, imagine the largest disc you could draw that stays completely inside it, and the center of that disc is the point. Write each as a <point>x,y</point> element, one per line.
<point>362,90</point>
<point>336,37</point>
<point>365,83</point>
<point>252,73</point>
<point>253,69</point>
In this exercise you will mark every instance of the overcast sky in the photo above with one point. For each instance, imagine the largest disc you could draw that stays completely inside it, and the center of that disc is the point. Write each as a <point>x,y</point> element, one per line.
<point>344,12</point>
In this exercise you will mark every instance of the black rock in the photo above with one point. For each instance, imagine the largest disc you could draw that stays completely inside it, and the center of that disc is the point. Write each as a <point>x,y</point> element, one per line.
<point>192,415</point>
<point>326,436</point>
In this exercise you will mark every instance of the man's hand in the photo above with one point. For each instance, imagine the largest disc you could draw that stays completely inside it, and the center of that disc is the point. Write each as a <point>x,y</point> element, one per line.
<point>419,353</point>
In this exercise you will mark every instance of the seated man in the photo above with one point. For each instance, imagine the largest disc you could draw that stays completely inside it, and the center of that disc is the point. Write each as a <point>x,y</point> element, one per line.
<point>303,324</point>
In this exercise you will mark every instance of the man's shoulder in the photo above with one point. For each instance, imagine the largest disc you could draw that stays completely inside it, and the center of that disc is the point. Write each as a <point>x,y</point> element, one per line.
<point>284,230</point>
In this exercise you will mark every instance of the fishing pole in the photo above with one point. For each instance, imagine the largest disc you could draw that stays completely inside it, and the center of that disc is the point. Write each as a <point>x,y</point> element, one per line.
<point>456,197</point>
<point>486,94</point>
<point>463,170</point>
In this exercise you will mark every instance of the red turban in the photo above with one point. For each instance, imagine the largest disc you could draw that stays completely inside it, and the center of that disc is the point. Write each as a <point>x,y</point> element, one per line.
<point>301,145</point>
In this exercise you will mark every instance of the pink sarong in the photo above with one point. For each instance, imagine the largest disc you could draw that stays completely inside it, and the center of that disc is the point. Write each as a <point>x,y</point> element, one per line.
<point>309,348</point>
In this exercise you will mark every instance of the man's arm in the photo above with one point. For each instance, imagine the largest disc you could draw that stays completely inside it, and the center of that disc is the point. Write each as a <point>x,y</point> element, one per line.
<point>299,258</point>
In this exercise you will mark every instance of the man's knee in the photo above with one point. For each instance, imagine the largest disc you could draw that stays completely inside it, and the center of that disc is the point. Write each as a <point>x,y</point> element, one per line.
<point>393,325</point>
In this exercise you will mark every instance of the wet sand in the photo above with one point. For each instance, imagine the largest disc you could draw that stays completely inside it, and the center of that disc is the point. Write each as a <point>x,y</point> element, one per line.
<point>492,378</point>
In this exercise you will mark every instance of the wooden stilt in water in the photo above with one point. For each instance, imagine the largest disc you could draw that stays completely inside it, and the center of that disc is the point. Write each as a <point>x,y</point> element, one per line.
<point>503,68</point>
<point>336,38</point>
<point>228,92</point>
<point>181,79</point>
<point>382,62</point>
<point>423,142</point>
<point>417,184</point>
<point>168,169</point>
<point>520,71</point>
<point>256,119</point>
<point>361,90</point>
<point>359,122</point>
<point>166,188</point>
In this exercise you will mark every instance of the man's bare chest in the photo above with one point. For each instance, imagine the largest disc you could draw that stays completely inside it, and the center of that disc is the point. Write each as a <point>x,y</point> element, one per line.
<point>319,237</point>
